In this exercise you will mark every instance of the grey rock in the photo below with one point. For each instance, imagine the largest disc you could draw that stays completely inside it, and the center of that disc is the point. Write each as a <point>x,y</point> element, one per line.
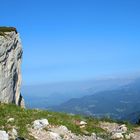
<point>59,133</point>
<point>54,136</point>
<point>3,135</point>
<point>40,124</point>
<point>61,130</point>
<point>127,136</point>
<point>83,123</point>
<point>122,128</point>
<point>12,133</point>
<point>117,136</point>
<point>10,120</point>
<point>10,72</point>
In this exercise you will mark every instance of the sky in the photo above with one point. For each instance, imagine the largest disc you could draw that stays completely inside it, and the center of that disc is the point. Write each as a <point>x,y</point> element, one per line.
<point>65,40</point>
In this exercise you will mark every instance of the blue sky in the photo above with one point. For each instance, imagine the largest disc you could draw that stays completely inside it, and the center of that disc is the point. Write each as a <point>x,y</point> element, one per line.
<point>75,39</point>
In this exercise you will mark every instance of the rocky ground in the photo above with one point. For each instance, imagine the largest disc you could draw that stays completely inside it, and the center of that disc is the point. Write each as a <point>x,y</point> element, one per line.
<point>42,130</point>
<point>52,132</point>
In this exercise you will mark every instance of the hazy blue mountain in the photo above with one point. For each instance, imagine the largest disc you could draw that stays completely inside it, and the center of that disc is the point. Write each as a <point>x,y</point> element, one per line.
<point>42,96</point>
<point>121,103</point>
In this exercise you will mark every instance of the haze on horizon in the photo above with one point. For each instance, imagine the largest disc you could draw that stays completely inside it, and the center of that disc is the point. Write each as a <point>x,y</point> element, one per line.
<point>75,39</point>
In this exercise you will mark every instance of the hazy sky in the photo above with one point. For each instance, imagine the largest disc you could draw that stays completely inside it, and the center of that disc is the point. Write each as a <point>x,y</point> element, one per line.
<point>75,39</point>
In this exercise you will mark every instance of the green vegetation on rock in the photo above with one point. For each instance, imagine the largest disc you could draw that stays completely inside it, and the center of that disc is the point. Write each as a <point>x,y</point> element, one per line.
<point>4,29</point>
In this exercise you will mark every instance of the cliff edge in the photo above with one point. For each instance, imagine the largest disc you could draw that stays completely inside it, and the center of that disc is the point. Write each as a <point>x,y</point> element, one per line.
<point>10,63</point>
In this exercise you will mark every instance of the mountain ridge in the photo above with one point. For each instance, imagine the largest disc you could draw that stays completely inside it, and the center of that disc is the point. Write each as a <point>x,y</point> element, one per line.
<point>116,104</point>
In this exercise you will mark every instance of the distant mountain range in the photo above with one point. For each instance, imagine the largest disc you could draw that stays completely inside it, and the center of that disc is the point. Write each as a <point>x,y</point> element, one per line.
<point>118,98</point>
<point>45,95</point>
<point>120,103</point>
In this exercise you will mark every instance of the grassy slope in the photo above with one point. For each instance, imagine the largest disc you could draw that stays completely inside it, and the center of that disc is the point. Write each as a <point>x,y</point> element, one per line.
<point>26,116</point>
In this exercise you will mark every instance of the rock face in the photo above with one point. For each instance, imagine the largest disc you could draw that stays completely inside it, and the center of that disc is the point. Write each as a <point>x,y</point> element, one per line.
<point>10,72</point>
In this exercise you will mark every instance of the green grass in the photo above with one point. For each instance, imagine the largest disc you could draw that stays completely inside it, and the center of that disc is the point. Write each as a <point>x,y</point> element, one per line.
<point>7,29</point>
<point>27,116</point>
<point>23,117</point>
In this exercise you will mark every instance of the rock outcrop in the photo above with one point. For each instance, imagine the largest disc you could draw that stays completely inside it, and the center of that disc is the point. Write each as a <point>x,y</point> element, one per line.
<point>10,62</point>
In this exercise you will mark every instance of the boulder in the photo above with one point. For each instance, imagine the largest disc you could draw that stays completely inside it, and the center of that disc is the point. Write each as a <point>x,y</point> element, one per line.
<point>3,135</point>
<point>55,136</point>
<point>94,135</point>
<point>12,133</point>
<point>40,124</point>
<point>127,136</point>
<point>61,130</point>
<point>122,128</point>
<point>117,136</point>
<point>10,120</point>
<point>83,123</point>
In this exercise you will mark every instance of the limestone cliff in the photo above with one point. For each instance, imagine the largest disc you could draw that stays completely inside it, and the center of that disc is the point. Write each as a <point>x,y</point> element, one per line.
<point>10,62</point>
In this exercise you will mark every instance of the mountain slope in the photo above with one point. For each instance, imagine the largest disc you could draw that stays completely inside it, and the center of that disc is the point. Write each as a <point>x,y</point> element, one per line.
<point>117,104</point>
<point>57,93</point>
